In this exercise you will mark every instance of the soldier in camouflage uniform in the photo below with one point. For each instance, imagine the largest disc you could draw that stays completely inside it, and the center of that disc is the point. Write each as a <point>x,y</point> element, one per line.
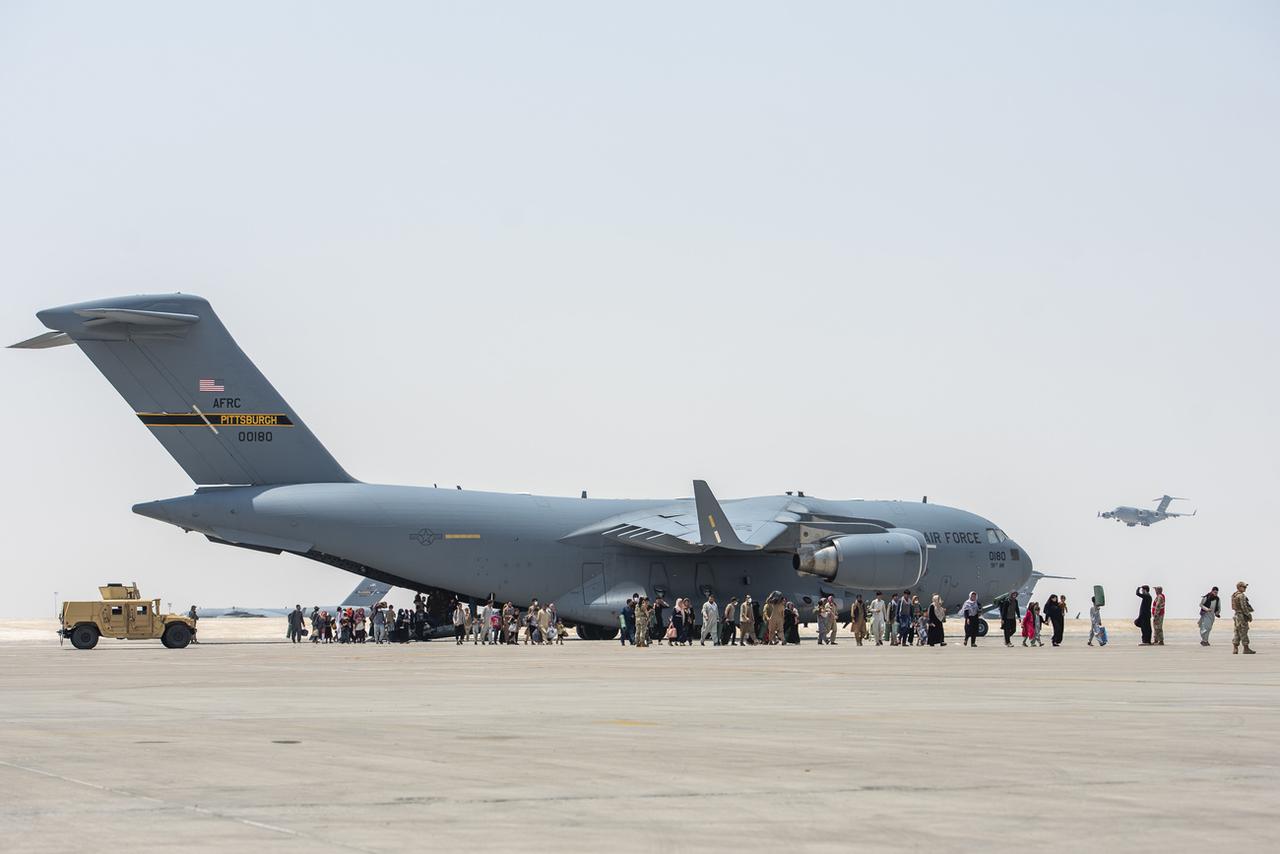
<point>642,622</point>
<point>1243,615</point>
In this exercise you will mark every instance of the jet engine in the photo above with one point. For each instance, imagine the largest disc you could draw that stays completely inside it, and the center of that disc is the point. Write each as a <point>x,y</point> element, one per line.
<point>889,560</point>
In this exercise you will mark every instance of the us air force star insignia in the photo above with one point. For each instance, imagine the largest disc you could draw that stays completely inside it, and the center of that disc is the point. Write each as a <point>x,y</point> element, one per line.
<point>425,536</point>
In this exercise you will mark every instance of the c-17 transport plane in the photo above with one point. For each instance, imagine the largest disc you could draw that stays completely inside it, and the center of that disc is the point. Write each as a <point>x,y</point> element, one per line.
<point>1132,516</point>
<point>264,482</point>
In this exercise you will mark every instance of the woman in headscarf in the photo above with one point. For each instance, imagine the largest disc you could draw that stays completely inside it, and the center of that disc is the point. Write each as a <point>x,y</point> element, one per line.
<point>1054,613</point>
<point>677,622</point>
<point>790,624</point>
<point>937,613</point>
<point>1029,624</point>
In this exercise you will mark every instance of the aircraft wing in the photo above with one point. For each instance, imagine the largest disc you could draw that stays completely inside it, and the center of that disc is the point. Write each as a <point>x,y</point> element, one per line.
<point>693,526</point>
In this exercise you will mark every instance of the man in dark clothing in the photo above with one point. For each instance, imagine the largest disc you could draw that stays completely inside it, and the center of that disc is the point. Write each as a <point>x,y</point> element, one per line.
<point>629,622</point>
<point>1009,616</point>
<point>296,620</point>
<point>1144,614</point>
<point>1210,610</point>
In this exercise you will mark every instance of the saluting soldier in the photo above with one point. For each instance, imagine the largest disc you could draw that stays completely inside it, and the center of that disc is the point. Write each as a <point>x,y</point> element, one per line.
<point>1243,616</point>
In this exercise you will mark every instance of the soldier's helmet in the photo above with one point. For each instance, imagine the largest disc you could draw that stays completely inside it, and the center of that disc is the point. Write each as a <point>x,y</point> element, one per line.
<point>1240,585</point>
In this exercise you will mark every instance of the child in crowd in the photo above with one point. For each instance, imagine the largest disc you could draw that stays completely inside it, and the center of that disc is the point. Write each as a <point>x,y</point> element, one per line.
<point>1095,623</point>
<point>1031,625</point>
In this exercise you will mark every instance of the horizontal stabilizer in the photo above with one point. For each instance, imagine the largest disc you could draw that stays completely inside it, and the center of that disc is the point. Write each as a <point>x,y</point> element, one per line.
<point>367,594</point>
<point>192,386</point>
<point>43,341</point>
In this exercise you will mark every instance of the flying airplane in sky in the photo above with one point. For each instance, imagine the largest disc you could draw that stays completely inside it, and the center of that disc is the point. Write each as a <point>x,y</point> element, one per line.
<point>264,482</point>
<point>1140,516</point>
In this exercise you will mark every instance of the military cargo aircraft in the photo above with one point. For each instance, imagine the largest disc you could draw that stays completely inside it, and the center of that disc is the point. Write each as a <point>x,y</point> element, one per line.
<point>264,482</point>
<point>1132,516</point>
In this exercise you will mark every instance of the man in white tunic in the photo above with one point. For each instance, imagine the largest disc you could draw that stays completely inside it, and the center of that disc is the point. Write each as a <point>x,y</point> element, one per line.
<point>711,621</point>
<point>877,619</point>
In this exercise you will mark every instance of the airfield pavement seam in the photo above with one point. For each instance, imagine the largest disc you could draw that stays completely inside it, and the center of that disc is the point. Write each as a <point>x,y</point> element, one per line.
<point>125,793</point>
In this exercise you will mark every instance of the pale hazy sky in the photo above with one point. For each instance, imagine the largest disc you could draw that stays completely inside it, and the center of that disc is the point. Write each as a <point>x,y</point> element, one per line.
<point>1019,257</point>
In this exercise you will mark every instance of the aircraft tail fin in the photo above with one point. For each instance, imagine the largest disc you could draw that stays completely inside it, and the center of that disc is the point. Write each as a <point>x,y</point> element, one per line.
<point>174,362</point>
<point>1165,501</point>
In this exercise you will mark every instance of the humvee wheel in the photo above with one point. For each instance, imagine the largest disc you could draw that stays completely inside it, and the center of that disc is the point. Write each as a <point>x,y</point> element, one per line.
<point>983,628</point>
<point>84,637</point>
<point>176,636</point>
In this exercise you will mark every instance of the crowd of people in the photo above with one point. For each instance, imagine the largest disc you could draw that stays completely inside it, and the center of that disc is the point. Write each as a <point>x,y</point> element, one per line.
<point>1150,619</point>
<point>487,624</point>
<point>902,619</point>
<point>507,624</point>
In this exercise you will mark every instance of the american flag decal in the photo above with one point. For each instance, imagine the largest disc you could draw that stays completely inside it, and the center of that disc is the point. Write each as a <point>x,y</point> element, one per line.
<point>212,385</point>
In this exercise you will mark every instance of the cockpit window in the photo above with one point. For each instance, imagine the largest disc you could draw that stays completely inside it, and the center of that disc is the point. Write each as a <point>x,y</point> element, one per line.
<point>995,535</point>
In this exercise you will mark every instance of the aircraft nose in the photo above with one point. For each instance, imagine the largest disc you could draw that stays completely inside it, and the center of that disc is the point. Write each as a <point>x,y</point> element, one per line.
<point>1026,559</point>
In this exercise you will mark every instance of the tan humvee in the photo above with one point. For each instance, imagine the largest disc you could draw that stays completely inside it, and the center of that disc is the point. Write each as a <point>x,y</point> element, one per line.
<point>125,615</point>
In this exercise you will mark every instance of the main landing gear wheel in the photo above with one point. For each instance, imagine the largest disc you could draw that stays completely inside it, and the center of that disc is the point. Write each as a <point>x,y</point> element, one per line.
<point>589,632</point>
<point>84,637</point>
<point>983,628</point>
<point>176,636</point>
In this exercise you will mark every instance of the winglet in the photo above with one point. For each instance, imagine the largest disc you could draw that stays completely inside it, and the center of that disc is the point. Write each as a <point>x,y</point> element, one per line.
<point>713,526</point>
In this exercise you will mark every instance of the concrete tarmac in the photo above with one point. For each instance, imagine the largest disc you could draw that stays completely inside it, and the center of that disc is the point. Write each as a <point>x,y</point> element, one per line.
<point>261,745</point>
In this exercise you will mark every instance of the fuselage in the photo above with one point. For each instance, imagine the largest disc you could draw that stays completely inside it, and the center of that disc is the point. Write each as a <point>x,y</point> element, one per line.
<point>1134,515</point>
<point>509,546</point>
